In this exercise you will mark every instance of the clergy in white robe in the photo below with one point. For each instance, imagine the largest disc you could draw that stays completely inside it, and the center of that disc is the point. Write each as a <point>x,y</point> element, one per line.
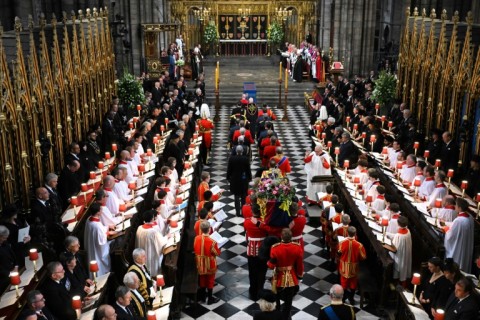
<point>428,184</point>
<point>459,238</point>
<point>402,258</point>
<point>393,154</point>
<point>409,170</point>
<point>113,202</point>
<point>370,188</point>
<point>378,203</point>
<point>121,186</point>
<point>393,216</point>
<point>96,242</point>
<point>317,163</point>
<point>150,239</point>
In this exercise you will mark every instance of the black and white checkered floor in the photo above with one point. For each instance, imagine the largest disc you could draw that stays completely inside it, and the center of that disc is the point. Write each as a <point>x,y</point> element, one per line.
<point>232,276</point>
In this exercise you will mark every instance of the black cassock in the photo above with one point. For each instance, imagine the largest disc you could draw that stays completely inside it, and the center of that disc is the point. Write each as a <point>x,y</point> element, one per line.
<point>298,69</point>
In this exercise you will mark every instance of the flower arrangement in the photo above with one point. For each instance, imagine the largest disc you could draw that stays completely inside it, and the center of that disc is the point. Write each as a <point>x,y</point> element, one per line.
<point>275,33</point>
<point>210,35</point>
<point>385,87</point>
<point>275,189</point>
<point>130,90</point>
<point>180,63</point>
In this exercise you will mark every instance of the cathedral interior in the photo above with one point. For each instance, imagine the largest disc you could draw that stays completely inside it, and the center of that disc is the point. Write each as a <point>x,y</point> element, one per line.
<point>70,69</point>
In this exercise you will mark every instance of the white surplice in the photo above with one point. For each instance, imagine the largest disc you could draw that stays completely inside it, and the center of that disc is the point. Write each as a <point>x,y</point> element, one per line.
<point>113,202</point>
<point>97,245</point>
<point>459,241</point>
<point>314,166</point>
<point>439,192</point>
<point>107,217</point>
<point>402,268</point>
<point>426,188</point>
<point>408,173</point>
<point>150,239</point>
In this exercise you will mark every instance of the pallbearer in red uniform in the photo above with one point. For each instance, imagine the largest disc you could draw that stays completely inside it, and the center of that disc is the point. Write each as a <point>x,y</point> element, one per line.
<point>205,126</point>
<point>286,258</point>
<point>206,252</point>
<point>297,224</point>
<point>255,237</point>
<point>282,161</point>
<point>351,252</point>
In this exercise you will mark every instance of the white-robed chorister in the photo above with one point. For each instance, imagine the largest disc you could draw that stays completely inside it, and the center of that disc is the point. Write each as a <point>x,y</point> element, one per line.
<point>317,163</point>
<point>149,237</point>
<point>97,244</point>
<point>402,258</point>
<point>459,241</point>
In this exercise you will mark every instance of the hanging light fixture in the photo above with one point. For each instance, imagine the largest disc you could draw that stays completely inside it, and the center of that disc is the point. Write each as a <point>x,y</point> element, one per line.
<point>203,13</point>
<point>283,13</point>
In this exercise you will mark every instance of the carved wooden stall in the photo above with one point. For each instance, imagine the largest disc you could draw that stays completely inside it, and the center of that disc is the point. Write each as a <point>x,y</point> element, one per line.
<point>55,81</point>
<point>439,75</point>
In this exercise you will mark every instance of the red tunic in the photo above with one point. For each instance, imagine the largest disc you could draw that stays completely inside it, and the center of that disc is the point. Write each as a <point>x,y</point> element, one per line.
<point>351,252</point>
<point>206,252</point>
<point>247,211</point>
<point>284,166</point>
<point>254,236</point>
<point>287,260</point>
<point>248,136</point>
<point>202,187</point>
<point>296,226</point>
<point>205,128</point>
<point>268,152</point>
<point>196,228</point>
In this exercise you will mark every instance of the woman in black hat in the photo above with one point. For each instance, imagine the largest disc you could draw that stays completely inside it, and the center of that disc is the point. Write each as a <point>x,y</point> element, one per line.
<point>268,307</point>
<point>14,224</point>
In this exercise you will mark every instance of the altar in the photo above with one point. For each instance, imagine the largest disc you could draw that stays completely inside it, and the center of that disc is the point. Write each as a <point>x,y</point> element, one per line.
<point>243,47</point>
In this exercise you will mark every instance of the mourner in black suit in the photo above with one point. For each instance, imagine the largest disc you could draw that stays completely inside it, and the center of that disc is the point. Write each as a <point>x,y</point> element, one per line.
<point>347,150</point>
<point>51,182</point>
<point>450,152</point>
<point>337,309</point>
<point>36,305</point>
<point>464,302</point>
<point>239,175</point>
<point>122,305</point>
<point>8,260</point>
<point>109,132</point>
<point>57,298</point>
<point>68,183</point>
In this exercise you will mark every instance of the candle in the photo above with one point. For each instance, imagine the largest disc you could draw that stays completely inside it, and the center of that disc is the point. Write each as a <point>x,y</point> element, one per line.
<point>192,145</point>
<point>373,138</point>
<point>107,155</point>
<point>84,187</point>
<point>100,165</point>
<point>324,135</point>
<point>166,121</point>
<point>195,136</point>
<point>438,162</point>
<point>130,125</point>
<point>477,197</point>
<point>384,118</point>
<point>190,151</point>
<point>390,124</point>
<point>76,302</point>
<point>355,126</point>
<point>114,146</point>
<point>15,278</point>
<point>439,314</point>
<point>149,152</point>
<point>197,128</point>
<point>377,106</point>
<point>122,207</point>
<point>280,72</point>
<point>417,182</point>
<point>33,254</point>
<point>426,154</point>
<point>364,135</point>
<point>155,140</point>
<point>385,150</point>
<point>464,185</point>
<point>317,127</point>
<point>384,222</point>
<point>356,179</point>
<point>162,128</point>
<point>416,279</point>
<point>160,280</point>
<point>173,223</point>
<point>74,200</point>
<point>183,181</point>
<point>132,185</point>
<point>179,200</point>
<point>286,79</point>
<point>450,173</point>
<point>93,266</point>
<point>348,120</point>
<point>187,165</point>
<point>135,119</point>
<point>346,164</point>
<point>337,150</point>
<point>399,165</point>
<point>139,107</point>
<point>151,315</point>
<point>416,145</point>
<point>141,167</point>
<point>92,175</point>
<point>438,202</point>
<point>329,144</point>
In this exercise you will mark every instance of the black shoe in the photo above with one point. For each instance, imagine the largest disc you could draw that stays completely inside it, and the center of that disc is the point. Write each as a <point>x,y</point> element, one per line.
<point>213,300</point>
<point>352,301</point>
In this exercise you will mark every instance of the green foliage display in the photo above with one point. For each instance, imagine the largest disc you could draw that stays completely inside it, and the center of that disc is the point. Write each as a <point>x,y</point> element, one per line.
<point>130,90</point>
<point>385,86</point>
<point>275,33</point>
<point>210,34</point>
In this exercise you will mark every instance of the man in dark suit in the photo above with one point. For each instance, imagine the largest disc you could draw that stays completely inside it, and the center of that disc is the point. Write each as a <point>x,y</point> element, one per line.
<point>337,309</point>
<point>347,150</point>
<point>239,175</point>
<point>463,304</point>
<point>68,183</point>
<point>41,217</point>
<point>51,182</point>
<point>72,247</point>
<point>450,152</point>
<point>8,261</point>
<point>109,132</point>
<point>36,303</point>
<point>122,307</point>
<point>58,299</point>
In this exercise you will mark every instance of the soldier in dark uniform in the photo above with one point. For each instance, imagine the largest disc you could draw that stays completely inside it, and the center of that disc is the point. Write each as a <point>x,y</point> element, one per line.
<point>337,309</point>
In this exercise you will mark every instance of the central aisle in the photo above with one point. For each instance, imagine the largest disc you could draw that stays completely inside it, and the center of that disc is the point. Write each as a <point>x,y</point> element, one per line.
<point>232,276</point>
